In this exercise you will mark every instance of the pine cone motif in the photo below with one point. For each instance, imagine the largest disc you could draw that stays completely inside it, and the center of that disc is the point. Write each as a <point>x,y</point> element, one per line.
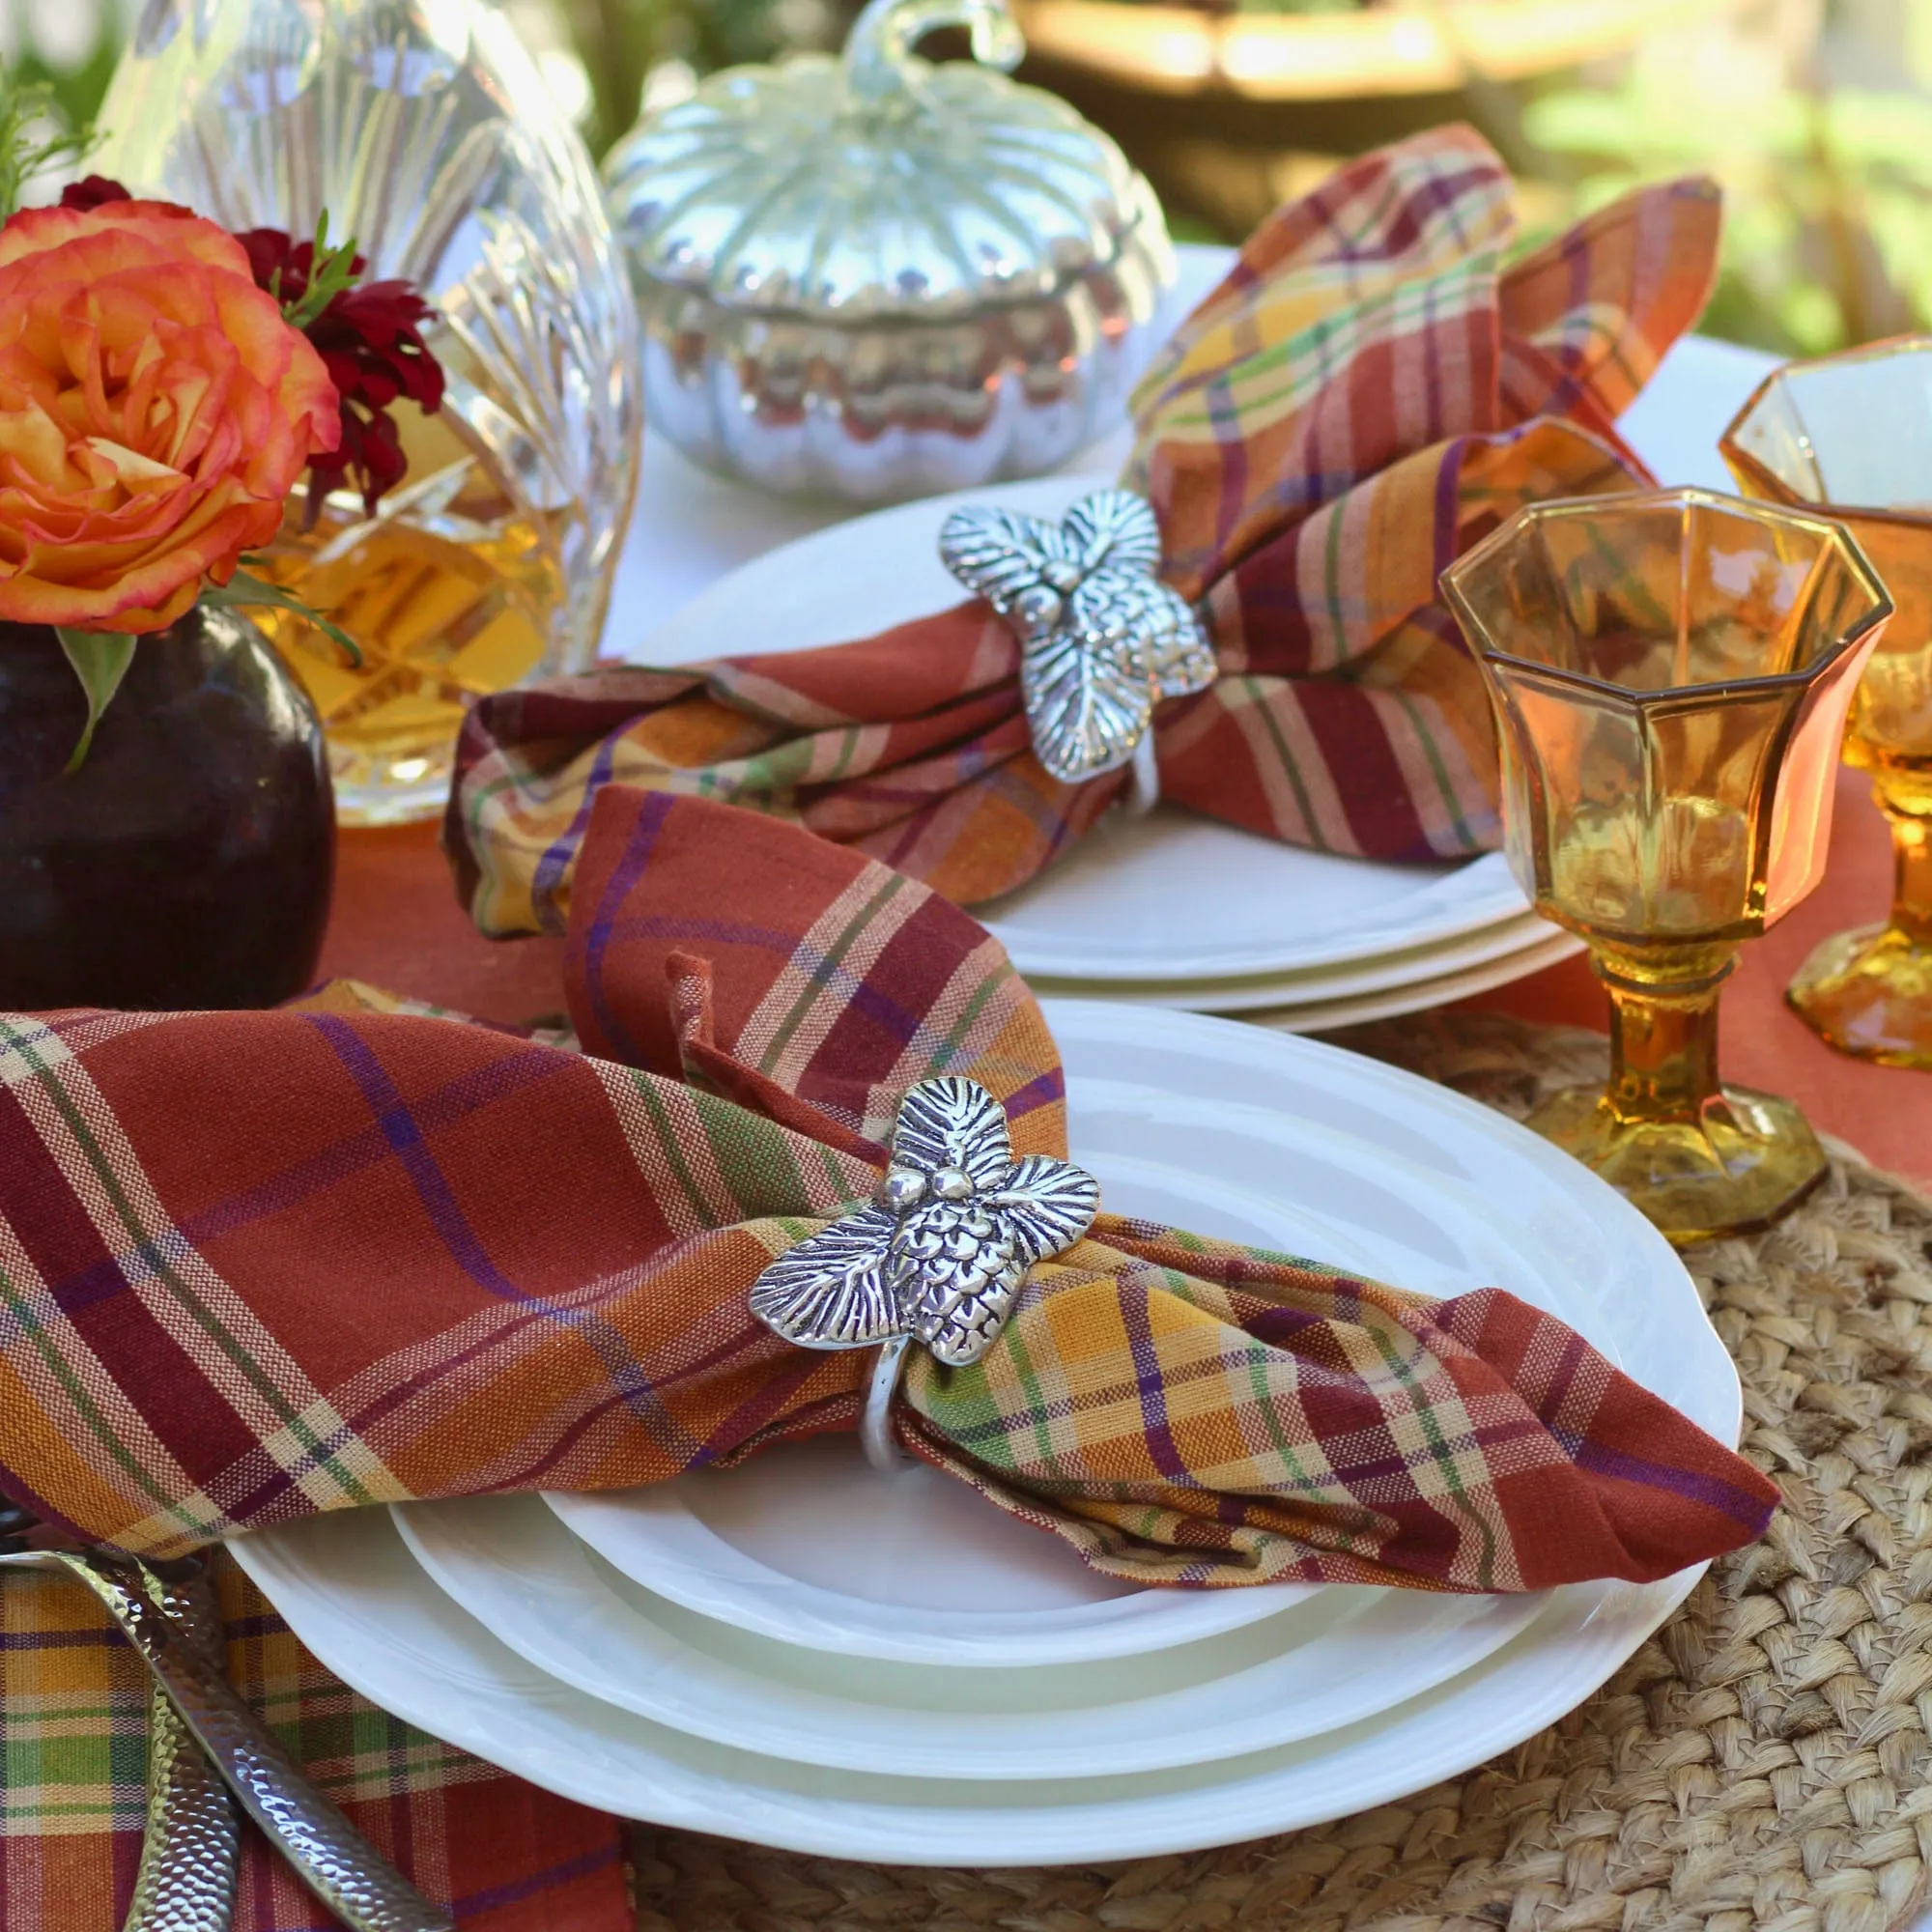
<point>943,1249</point>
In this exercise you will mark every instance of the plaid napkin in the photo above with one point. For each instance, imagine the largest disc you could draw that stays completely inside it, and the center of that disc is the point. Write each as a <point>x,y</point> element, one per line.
<point>1369,392</point>
<point>266,1263</point>
<point>260,1264</point>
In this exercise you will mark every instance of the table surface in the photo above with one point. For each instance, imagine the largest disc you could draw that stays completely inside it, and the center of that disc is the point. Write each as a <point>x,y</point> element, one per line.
<point>397,925</point>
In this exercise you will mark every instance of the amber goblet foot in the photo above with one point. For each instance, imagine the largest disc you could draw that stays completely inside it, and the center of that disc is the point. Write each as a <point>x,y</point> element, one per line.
<point>1870,991</point>
<point>1701,1158</point>
<point>1670,675</point>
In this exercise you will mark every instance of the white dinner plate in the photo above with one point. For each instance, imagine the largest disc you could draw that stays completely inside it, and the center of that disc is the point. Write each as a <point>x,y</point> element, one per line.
<point>1336,1657</point>
<point>1396,1164</point>
<point>1169,895</point>
<point>1323,1015</point>
<point>355,1597</point>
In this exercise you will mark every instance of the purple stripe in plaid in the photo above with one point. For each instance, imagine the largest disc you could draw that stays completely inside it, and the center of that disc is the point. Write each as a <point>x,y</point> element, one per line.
<point>1709,1490</point>
<point>629,1381</point>
<point>470,1091</point>
<point>403,1134</point>
<point>498,1897</point>
<point>597,940</point>
<point>1044,1090</point>
<point>553,868</point>
<point>107,1637</point>
<point>1151,1387</point>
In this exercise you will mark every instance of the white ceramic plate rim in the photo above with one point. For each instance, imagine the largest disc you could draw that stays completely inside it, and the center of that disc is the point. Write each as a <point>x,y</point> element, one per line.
<point>1380,1648</point>
<point>1322,1015</point>
<point>1534,941</point>
<point>398,1641</point>
<point>855,577</point>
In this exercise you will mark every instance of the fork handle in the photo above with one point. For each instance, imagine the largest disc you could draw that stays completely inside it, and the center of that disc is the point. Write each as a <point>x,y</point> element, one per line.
<point>327,1854</point>
<point>193,1839</point>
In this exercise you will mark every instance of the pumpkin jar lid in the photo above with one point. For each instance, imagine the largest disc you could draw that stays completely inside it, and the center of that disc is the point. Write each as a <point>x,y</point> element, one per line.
<point>876,185</point>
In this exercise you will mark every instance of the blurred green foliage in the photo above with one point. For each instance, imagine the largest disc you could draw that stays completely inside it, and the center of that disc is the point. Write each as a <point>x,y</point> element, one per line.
<point>35,135</point>
<point>619,42</point>
<point>75,92</point>
<point>1828,226</point>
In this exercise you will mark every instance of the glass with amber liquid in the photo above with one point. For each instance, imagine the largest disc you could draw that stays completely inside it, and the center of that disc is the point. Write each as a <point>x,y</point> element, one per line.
<point>1851,437</point>
<point>427,133</point>
<point>1670,675</point>
<point>450,592</point>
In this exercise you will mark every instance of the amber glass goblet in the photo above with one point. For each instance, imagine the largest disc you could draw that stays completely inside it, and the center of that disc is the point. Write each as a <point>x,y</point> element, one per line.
<point>1851,436</point>
<point>1671,675</point>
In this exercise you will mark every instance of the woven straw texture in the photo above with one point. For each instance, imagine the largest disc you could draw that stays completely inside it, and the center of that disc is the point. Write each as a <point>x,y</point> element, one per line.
<point>1763,1762</point>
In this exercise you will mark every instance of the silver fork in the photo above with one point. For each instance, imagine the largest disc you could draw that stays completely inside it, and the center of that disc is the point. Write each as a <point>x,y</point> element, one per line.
<point>193,1836</point>
<point>327,1853</point>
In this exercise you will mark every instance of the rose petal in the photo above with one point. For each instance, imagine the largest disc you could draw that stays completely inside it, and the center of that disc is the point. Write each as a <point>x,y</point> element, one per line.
<point>155,409</point>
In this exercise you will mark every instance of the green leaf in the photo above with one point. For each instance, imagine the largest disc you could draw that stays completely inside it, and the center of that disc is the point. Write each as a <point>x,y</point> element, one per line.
<point>100,661</point>
<point>244,588</point>
<point>330,271</point>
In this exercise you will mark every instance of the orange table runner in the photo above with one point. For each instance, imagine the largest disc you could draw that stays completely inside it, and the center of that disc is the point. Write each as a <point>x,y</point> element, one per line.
<point>397,924</point>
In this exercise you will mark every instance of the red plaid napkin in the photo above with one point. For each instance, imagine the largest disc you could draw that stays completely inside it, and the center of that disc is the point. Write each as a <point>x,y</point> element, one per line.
<point>259,1265</point>
<point>1370,391</point>
<point>283,1262</point>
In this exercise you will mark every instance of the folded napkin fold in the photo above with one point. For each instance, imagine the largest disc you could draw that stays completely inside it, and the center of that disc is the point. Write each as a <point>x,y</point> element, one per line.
<point>260,1264</point>
<point>1370,389</point>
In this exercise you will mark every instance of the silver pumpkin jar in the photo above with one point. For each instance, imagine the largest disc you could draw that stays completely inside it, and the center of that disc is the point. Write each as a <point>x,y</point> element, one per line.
<point>874,278</point>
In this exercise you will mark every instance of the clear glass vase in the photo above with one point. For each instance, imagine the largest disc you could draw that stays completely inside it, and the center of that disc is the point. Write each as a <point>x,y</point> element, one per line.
<point>424,130</point>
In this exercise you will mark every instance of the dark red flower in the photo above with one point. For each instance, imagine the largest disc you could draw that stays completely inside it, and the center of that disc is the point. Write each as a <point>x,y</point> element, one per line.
<point>370,339</point>
<point>89,192</point>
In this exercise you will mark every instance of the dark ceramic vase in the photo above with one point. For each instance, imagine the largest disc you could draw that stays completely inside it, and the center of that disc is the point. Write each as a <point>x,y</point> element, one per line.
<point>188,862</point>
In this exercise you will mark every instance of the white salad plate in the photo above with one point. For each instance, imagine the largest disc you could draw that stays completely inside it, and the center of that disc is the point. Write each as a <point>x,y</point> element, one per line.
<point>807,1546</point>
<point>1336,1657</point>
<point>1177,1114</point>
<point>1168,896</point>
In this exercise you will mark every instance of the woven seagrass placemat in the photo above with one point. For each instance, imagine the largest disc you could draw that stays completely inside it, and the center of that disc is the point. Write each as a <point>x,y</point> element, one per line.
<point>1761,1765</point>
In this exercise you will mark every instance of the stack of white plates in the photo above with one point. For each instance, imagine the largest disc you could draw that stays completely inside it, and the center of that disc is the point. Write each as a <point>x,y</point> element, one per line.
<point>806,1653</point>
<point>1167,909</point>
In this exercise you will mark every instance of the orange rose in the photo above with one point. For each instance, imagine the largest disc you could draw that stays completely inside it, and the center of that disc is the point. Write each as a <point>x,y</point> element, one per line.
<point>155,411</point>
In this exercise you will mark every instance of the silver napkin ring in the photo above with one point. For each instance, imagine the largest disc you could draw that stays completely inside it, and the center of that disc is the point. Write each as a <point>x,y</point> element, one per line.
<point>1103,639</point>
<point>937,1256</point>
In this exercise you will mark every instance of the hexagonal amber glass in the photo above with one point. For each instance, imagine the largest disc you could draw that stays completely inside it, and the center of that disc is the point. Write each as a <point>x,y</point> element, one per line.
<point>1670,675</point>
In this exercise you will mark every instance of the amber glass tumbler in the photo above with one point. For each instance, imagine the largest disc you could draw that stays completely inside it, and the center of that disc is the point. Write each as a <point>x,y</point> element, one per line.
<point>1671,675</point>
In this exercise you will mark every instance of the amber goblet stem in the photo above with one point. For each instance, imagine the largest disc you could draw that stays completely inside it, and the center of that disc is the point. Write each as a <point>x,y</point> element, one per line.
<point>1699,1157</point>
<point>1664,1029</point>
<point>1912,871</point>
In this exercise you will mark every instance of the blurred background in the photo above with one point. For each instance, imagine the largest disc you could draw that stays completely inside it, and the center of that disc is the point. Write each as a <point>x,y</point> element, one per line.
<point>1815,114</point>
